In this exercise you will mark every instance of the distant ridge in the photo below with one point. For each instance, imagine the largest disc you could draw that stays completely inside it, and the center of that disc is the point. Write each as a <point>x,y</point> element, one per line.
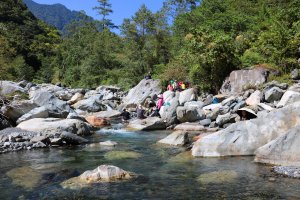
<point>56,15</point>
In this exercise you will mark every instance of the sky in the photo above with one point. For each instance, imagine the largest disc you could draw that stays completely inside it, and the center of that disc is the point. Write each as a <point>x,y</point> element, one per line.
<point>122,8</point>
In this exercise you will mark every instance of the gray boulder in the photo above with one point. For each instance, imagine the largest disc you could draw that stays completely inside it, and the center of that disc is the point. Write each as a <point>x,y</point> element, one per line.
<point>245,137</point>
<point>228,101</point>
<point>103,173</point>
<point>288,97</point>
<point>150,123</point>
<point>189,114</point>
<point>205,122</point>
<point>56,108</point>
<point>108,114</point>
<point>18,108</point>
<point>40,112</point>
<point>55,126</point>
<point>177,138</point>
<point>273,94</point>
<point>239,105</point>
<point>187,96</point>
<point>9,87</point>
<point>227,118</point>
<point>190,127</point>
<point>255,98</point>
<point>283,150</point>
<point>240,79</point>
<point>70,138</point>
<point>92,104</point>
<point>168,111</point>
<point>139,93</point>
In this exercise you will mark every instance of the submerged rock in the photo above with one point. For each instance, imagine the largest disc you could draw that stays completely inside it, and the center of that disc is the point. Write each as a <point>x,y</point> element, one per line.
<point>218,177</point>
<point>118,155</point>
<point>289,171</point>
<point>108,143</point>
<point>25,177</point>
<point>103,173</point>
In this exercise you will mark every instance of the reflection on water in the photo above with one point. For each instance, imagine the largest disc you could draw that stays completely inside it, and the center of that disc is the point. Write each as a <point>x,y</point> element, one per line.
<point>164,172</point>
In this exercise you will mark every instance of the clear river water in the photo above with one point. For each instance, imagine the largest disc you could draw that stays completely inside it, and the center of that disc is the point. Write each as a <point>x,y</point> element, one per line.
<point>163,172</point>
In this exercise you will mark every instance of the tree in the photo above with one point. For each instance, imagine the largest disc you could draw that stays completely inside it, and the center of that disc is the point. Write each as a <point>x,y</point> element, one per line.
<point>104,10</point>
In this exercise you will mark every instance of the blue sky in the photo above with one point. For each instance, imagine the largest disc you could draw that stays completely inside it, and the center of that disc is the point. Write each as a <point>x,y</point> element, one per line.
<point>122,8</point>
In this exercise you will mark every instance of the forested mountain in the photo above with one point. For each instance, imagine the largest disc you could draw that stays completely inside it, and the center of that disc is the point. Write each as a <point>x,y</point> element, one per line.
<point>56,15</point>
<point>27,44</point>
<point>203,45</point>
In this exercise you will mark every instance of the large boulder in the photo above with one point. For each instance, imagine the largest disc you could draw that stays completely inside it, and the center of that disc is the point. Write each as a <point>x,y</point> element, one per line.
<point>70,138</point>
<point>92,104</point>
<point>55,126</point>
<point>245,137</point>
<point>108,114</point>
<point>227,118</point>
<point>97,121</point>
<point>189,114</point>
<point>187,96</point>
<point>190,127</point>
<point>139,93</point>
<point>240,79</point>
<point>150,123</point>
<point>103,173</point>
<point>288,98</point>
<point>10,88</point>
<point>168,111</point>
<point>177,138</point>
<point>283,150</point>
<point>18,108</point>
<point>40,112</point>
<point>75,98</point>
<point>56,107</point>
<point>273,94</point>
<point>255,98</point>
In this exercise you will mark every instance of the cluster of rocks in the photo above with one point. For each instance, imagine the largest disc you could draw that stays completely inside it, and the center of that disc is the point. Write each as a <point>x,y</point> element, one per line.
<point>53,112</point>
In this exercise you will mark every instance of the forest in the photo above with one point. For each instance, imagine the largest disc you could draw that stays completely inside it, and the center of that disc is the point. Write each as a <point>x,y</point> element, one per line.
<point>196,41</point>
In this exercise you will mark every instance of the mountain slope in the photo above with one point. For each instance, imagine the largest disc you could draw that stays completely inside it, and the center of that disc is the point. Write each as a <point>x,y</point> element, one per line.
<point>56,15</point>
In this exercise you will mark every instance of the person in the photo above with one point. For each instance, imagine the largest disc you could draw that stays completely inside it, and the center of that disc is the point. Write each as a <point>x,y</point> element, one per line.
<point>140,112</point>
<point>175,85</point>
<point>148,76</point>
<point>170,87</point>
<point>125,115</point>
<point>183,87</point>
<point>160,102</point>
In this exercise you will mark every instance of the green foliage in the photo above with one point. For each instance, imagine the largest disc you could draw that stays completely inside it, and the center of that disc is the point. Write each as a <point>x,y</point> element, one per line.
<point>207,40</point>
<point>56,15</point>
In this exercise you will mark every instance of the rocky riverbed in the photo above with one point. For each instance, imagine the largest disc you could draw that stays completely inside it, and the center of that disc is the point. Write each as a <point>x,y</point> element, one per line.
<point>256,118</point>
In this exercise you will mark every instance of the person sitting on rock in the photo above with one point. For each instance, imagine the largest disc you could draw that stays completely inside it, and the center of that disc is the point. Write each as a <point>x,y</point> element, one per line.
<point>140,112</point>
<point>170,87</point>
<point>125,115</point>
<point>148,76</point>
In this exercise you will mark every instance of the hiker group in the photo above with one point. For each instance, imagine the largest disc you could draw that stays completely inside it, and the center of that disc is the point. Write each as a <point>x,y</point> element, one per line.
<point>174,85</point>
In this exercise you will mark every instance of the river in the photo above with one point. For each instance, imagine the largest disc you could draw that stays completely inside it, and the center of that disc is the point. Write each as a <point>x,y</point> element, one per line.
<point>163,172</point>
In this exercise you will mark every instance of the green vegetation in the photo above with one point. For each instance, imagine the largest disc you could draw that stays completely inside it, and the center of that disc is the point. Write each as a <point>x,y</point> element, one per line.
<point>204,43</point>
<point>56,15</point>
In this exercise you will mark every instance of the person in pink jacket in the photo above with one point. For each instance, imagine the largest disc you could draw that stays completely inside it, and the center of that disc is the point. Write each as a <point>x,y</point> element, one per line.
<point>160,102</point>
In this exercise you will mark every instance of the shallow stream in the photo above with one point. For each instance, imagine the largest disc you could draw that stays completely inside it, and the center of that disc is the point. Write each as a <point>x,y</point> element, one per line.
<point>164,172</point>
